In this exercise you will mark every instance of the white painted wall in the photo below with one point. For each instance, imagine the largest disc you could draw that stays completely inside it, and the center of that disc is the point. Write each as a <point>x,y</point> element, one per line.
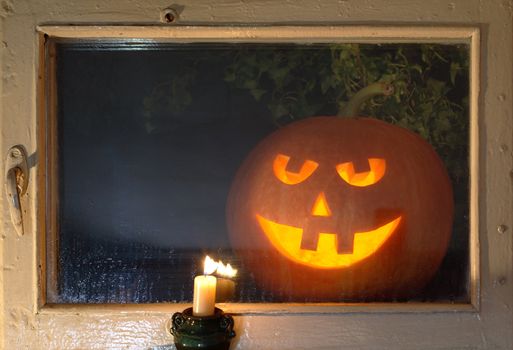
<point>25,325</point>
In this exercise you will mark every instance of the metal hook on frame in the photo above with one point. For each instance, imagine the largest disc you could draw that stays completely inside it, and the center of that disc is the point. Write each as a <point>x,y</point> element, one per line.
<point>16,183</point>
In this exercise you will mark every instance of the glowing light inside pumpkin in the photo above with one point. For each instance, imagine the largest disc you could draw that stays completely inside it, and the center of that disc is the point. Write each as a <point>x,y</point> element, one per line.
<point>321,207</point>
<point>289,177</point>
<point>362,179</point>
<point>287,240</point>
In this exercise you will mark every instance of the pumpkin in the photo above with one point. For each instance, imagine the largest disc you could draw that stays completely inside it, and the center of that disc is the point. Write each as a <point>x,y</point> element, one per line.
<point>334,208</point>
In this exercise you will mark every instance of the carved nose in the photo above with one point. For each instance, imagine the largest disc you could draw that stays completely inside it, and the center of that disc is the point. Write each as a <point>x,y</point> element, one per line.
<point>321,207</point>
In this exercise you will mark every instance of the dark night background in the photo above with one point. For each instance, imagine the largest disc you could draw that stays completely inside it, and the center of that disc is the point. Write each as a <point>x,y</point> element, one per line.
<point>142,196</point>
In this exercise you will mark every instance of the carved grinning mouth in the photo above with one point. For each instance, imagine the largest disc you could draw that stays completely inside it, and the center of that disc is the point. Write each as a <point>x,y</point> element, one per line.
<point>287,240</point>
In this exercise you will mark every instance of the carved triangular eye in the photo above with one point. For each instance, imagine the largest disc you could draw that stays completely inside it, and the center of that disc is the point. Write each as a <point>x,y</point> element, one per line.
<point>289,177</point>
<point>364,178</point>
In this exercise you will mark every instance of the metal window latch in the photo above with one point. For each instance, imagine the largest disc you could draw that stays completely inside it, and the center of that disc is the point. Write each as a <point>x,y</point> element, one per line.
<point>16,182</point>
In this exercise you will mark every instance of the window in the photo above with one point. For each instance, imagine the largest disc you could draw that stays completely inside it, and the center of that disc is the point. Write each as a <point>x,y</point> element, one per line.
<point>150,137</point>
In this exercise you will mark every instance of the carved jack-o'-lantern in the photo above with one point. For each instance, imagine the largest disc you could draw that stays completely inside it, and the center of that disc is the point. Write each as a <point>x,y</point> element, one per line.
<point>334,208</point>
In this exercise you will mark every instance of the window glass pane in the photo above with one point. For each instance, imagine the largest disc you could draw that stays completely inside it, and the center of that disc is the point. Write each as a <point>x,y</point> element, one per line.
<point>169,152</point>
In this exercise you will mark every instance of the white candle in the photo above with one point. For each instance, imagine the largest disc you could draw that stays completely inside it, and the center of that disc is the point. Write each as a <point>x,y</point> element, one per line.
<point>204,300</point>
<point>204,296</point>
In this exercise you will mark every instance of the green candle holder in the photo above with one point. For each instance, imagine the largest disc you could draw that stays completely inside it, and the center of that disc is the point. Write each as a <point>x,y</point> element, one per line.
<point>202,332</point>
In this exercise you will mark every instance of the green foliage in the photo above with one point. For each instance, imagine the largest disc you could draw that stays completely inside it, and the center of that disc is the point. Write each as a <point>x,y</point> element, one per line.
<point>287,81</point>
<point>430,88</point>
<point>298,81</point>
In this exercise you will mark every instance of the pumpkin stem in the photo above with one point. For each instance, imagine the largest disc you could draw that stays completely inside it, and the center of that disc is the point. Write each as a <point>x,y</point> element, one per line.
<point>352,108</point>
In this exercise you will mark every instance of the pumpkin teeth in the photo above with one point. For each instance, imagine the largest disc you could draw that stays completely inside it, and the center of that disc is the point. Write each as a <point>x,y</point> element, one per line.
<point>287,240</point>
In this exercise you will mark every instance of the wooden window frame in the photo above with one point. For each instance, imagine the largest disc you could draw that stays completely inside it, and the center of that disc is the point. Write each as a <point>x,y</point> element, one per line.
<point>27,321</point>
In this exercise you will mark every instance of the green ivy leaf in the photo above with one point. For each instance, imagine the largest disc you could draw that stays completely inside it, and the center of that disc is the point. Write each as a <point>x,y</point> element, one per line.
<point>257,93</point>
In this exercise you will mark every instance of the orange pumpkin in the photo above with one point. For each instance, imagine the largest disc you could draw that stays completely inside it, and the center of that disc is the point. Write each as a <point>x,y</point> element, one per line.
<point>341,209</point>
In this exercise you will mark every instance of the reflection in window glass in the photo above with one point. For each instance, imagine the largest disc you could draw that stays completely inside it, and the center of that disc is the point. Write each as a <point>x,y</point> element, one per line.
<point>169,152</point>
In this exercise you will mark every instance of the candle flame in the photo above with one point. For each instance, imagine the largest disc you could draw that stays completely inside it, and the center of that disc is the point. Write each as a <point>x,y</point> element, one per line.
<point>226,270</point>
<point>210,266</point>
